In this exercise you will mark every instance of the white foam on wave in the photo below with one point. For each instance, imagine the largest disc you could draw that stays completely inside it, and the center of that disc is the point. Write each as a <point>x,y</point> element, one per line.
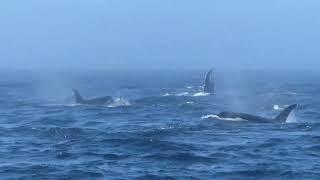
<point>201,94</point>
<point>188,103</point>
<point>182,94</point>
<point>73,104</point>
<point>118,102</point>
<point>187,94</point>
<point>177,94</point>
<point>57,104</point>
<point>213,116</point>
<point>290,93</point>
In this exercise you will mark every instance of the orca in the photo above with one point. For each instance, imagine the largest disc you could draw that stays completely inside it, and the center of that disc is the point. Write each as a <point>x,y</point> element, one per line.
<point>281,118</point>
<point>208,83</point>
<point>94,101</point>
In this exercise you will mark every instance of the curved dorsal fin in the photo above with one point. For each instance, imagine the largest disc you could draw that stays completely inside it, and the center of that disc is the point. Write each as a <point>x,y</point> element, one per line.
<point>283,116</point>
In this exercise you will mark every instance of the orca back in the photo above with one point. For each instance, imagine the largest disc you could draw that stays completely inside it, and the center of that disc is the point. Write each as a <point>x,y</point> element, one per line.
<point>99,100</point>
<point>282,117</point>
<point>244,116</point>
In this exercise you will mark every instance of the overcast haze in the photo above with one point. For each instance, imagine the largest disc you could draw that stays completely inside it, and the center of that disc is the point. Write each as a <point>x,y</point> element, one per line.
<point>159,34</point>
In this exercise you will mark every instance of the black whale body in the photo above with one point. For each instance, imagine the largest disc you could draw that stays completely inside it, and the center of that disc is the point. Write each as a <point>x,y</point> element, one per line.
<point>94,101</point>
<point>281,118</point>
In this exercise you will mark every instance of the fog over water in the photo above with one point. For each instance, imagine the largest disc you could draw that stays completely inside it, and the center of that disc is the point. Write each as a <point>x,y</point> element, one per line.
<point>159,34</point>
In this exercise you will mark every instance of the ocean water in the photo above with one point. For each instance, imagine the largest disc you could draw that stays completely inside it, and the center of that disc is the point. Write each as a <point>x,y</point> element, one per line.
<point>160,126</point>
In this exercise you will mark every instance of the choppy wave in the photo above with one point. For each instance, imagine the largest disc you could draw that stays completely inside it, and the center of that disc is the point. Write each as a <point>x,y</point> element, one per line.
<point>160,137</point>
<point>116,103</point>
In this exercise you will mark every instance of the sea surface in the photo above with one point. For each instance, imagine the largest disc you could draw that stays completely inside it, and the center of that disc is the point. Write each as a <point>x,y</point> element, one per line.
<point>161,125</point>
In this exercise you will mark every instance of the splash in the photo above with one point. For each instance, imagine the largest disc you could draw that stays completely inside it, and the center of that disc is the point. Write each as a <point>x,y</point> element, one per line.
<point>177,94</point>
<point>279,108</point>
<point>201,94</point>
<point>73,104</point>
<point>213,116</point>
<point>118,102</point>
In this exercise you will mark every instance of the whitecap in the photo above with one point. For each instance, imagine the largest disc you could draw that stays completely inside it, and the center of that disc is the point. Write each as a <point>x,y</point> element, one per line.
<point>213,116</point>
<point>183,94</point>
<point>201,94</point>
<point>119,102</point>
<point>290,93</point>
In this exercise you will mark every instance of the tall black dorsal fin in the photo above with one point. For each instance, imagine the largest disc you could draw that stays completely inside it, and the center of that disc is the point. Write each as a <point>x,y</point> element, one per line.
<point>209,83</point>
<point>77,96</point>
<point>283,116</point>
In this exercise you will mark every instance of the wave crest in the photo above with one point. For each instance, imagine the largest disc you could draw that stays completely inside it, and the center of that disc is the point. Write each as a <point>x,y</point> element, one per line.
<point>201,94</point>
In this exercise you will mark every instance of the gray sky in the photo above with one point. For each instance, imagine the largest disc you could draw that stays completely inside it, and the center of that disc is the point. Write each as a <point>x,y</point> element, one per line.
<point>160,33</point>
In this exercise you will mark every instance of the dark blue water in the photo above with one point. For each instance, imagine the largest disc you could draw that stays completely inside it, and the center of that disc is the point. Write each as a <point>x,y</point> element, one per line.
<point>158,129</point>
